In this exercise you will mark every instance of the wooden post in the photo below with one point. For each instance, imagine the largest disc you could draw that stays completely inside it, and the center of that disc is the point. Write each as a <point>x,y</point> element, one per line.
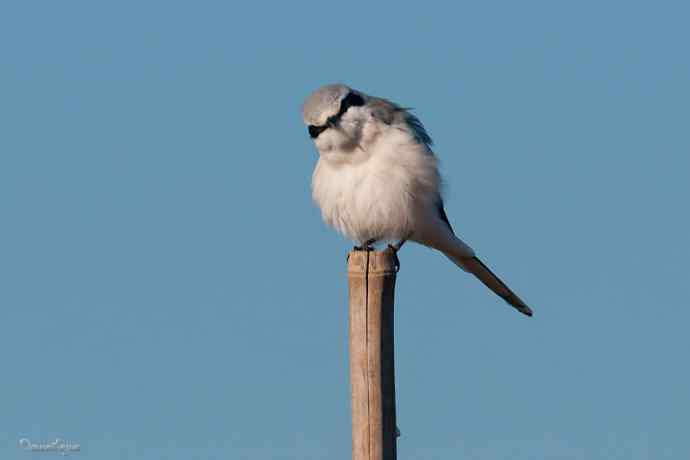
<point>371,276</point>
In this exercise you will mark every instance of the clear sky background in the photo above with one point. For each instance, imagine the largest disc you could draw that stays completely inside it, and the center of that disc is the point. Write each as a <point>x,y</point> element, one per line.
<point>168,290</point>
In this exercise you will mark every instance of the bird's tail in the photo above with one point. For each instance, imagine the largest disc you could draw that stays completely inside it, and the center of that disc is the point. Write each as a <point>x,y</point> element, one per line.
<point>472,264</point>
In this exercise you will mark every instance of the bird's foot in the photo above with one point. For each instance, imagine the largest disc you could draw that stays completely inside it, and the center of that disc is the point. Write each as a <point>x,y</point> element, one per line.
<point>394,248</point>
<point>367,246</point>
<point>362,248</point>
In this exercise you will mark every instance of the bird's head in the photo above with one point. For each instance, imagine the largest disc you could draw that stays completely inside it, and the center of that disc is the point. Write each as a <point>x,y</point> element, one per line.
<point>335,116</point>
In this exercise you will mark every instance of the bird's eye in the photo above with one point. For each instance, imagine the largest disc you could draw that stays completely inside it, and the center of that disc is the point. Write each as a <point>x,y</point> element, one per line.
<point>314,131</point>
<point>351,100</point>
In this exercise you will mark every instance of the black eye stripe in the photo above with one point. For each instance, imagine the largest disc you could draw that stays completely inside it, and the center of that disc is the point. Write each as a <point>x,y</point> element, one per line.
<point>314,131</point>
<point>351,100</point>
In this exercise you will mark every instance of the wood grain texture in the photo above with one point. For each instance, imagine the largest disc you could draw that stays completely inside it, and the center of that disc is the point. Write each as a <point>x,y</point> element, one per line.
<point>371,277</point>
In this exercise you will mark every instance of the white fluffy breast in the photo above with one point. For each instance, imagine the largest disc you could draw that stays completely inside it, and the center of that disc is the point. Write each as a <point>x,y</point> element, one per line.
<point>381,196</point>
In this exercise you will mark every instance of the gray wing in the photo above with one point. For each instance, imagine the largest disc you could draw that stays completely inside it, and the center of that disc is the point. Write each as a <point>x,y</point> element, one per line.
<point>418,129</point>
<point>391,113</point>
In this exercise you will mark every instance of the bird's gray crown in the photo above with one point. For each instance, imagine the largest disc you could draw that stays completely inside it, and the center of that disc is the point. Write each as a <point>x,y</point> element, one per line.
<point>323,103</point>
<point>323,107</point>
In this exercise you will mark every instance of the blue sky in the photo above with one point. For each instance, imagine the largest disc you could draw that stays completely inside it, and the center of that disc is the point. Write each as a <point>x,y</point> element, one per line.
<point>169,290</point>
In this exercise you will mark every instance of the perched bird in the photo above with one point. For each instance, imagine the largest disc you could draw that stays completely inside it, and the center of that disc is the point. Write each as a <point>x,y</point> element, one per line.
<point>377,178</point>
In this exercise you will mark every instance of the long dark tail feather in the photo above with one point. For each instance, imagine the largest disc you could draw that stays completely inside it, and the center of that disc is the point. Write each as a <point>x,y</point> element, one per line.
<point>493,282</point>
<point>464,257</point>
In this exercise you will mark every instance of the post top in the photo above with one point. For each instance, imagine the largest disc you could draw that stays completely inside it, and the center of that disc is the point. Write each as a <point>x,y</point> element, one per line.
<point>379,261</point>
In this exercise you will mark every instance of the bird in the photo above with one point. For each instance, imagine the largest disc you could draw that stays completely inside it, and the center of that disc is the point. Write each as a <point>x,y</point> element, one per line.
<point>377,179</point>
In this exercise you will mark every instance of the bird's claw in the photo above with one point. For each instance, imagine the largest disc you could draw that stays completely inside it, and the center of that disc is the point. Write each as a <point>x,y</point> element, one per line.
<point>367,246</point>
<point>362,248</point>
<point>394,248</point>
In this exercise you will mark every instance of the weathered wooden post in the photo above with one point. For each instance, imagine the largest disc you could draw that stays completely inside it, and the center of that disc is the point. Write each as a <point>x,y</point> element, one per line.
<point>371,276</point>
